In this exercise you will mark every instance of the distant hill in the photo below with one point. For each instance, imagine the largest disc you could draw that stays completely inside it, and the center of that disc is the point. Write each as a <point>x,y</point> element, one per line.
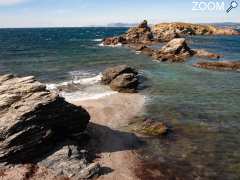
<point>122,24</point>
<point>227,24</point>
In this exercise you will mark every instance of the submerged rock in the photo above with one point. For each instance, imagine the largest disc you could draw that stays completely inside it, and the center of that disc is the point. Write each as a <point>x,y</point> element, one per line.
<point>153,128</point>
<point>121,78</point>
<point>221,65</point>
<point>33,120</point>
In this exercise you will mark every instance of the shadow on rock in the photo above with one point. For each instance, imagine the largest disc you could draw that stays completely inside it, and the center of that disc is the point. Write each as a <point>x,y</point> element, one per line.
<point>106,140</point>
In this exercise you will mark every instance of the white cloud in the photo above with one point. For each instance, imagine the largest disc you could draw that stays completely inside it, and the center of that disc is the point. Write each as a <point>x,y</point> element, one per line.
<point>10,2</point>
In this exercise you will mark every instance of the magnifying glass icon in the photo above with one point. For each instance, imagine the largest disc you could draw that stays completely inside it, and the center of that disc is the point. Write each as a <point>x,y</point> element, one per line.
<point>233,5</point>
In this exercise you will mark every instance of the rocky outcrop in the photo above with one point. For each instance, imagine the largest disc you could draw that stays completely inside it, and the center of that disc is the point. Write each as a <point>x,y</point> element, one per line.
<point>114,41</point>
<point>41,128</point>
<point>176,50</point>
<point>33,120</point>
<point>221,65</point>
<point>166,36</point>
<point>71,161</point>
<point>192,29</point>
<point>141,34</point>
<point>121,78</point>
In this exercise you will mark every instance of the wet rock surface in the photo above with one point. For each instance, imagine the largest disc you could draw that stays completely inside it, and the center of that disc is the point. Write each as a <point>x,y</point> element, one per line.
<point>121,78</point>
<point>152,128</point>
<point>221,65</point>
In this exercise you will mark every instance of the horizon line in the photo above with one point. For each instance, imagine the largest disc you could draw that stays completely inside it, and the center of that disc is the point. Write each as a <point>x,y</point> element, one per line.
<point>110,25</point>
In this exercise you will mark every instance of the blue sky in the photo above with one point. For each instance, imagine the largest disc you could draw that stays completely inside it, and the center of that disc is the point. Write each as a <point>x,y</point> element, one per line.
<point>69,13</point>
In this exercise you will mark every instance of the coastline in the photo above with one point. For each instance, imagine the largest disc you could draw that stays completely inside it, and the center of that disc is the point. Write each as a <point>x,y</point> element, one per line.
<point>115,148</point>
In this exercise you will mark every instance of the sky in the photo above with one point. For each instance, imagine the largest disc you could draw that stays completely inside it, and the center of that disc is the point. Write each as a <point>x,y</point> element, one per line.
<point>77,13</point>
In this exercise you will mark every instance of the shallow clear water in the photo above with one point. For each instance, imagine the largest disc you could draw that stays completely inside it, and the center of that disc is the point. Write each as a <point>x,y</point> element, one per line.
<point>202,106</point>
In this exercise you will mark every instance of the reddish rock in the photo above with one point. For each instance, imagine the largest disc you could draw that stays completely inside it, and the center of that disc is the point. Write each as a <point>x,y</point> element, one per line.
<point>205,54</point>
<point>221,65</point>
<point>113,41</point>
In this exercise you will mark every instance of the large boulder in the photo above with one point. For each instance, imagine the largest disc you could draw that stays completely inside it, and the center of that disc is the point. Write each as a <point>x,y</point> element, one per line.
<point>125,83</point>
<point>111,73</point>
<point>176,46</point>
<point>121,78</point>
<point>176,50</point>
<point>33,119</point>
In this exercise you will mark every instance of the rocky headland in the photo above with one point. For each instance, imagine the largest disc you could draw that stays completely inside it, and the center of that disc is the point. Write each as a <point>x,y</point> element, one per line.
<point>192,29</point>
<point>176,49</point>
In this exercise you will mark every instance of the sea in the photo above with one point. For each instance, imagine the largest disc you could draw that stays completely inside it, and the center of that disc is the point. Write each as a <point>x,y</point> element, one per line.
<point>201,106</point>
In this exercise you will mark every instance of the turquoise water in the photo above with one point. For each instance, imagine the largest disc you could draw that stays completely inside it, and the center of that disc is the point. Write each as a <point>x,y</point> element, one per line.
<point>201,106</point>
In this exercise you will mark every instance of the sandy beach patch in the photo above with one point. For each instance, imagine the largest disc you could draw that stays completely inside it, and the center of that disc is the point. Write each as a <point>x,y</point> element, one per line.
<point>115,148</point>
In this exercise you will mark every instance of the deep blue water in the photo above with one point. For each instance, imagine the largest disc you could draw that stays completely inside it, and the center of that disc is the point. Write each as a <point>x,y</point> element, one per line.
<point>201,105</point>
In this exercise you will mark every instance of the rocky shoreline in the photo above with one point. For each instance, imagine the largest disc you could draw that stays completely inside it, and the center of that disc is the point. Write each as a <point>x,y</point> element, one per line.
<point>175,49</point>
<point>45,137</point>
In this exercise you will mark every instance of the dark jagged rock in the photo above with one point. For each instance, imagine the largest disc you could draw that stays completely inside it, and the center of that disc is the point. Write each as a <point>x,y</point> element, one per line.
<point>33,119</point>
<point>221,65</point>
<point>121,78</point>
<point>72,162</point>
